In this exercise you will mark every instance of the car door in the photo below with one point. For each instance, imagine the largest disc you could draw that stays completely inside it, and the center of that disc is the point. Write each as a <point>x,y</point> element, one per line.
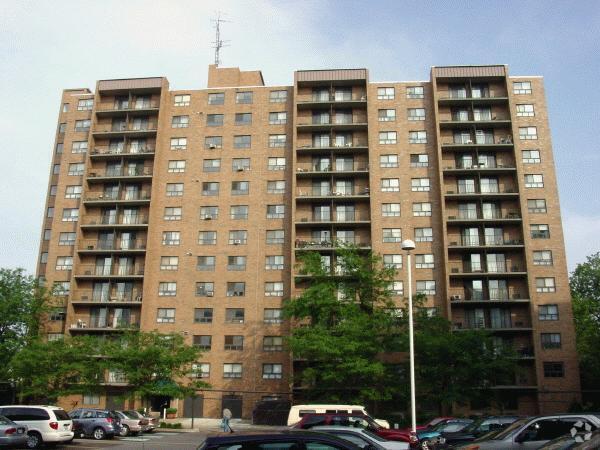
<point>355,438</point>
<point>538,433</point>
<point>88,418</point>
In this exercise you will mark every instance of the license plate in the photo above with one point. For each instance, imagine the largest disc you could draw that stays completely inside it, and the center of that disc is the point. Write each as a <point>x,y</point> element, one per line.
<point>20,431</point>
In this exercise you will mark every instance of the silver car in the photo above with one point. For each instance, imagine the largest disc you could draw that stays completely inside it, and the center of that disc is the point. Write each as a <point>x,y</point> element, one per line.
<point>361,437</point>
<point>534,432</point>
<point>11,434</point>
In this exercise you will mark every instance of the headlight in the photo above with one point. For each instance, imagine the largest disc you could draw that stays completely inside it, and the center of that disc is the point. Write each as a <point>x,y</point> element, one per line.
<point>442,440</point>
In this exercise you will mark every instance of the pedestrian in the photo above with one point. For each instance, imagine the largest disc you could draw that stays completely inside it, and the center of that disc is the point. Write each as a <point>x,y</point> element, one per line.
<point>225,422</point>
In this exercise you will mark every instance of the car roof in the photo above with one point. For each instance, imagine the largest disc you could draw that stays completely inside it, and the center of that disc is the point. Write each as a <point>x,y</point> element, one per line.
<point>30,406</point>
<point>338,427</point>
<point>272,435</point>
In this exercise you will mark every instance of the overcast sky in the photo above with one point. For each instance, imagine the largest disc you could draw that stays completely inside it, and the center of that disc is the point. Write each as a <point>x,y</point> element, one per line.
<point>47,46</point>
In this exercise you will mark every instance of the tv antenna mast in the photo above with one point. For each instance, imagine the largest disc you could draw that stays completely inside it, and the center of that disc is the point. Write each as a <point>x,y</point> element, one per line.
<point>218,43</point>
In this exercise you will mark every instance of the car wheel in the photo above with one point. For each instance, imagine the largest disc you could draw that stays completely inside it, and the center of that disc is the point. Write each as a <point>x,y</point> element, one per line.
<point>124,431</point>
<point>426,444</point>
<point>99,433</point>
<point>34,439</point>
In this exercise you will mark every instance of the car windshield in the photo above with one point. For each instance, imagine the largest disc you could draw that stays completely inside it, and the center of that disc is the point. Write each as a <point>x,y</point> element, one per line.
<point>134,414</point>
<point>507,431</point>
<point>452,427</point>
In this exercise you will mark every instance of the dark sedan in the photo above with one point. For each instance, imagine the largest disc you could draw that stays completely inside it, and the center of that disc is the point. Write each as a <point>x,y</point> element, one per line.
<point>477,429</point>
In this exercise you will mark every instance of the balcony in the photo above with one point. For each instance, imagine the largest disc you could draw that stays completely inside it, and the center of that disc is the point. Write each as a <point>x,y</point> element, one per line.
<point>309,170</point>
<point>91,222</point>
<point>353,193</point>
<point>475,192</point>
<point>119,174</point>
<point>470,242</point>
<point>488,296</point>
<point>115,271</point>
<point>464,98</point>
<point>115,298</point>
<point>336,123</point>
<point>486,325</point>
<point>483,142</point>
<point>99,326</point>
<point>486,168</point>
<point>331,244</point>
<point>326,148</point>
<point>494,216</point>
<point>129,198</point>
<point>325,102</point>
<point>112,152</point>
<point>145,107</point>
<point>94,246</point>
<point>125,129</point>
<point>487,121</point>
<point>467,270</point>
<point>344,219</point>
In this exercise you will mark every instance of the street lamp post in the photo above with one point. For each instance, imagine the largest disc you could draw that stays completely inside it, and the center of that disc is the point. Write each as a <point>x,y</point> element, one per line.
<point>409,245</point>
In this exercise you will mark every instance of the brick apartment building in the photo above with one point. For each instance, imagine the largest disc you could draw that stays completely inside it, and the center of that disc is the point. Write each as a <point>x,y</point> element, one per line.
<point>182,211</point>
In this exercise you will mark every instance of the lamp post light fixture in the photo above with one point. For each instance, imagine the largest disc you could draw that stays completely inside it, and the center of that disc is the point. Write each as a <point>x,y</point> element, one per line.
<point>409,245</point>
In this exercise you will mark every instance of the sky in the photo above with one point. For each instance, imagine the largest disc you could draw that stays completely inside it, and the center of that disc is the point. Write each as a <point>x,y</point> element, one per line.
<point>48,46</point>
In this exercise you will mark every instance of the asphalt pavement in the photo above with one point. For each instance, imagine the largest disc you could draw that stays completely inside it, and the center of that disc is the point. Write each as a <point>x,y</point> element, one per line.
<point>159,440</point>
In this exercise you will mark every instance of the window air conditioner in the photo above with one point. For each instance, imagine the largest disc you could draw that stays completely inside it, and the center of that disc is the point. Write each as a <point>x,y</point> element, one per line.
<point>210,294</point>
<point>237,241</point>
<point>212,146</point>
<point>455,297</point>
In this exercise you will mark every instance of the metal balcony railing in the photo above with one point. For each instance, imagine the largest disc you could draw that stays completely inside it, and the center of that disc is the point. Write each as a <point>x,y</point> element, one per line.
<point>338,218</point>
<point>125,127</point>
<point>113,220</point>
<point>120,172</point>
<point>109,271</point>
<point>335,97</point>
<point>335,121</point>
<point>348,167</point>
<point>332,243</point>
<point>127,106</point>
<point>336,144</point>
<point>118,196</point>
<point>335,192</point>
<point>114,244</point>
<point>107,296</point>
<point>119,150</point>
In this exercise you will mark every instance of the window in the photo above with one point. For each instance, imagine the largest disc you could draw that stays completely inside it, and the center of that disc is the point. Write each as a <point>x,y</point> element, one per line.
<point>216,98</point>
<point>550,340</point>
<point>180,121</point>
<point>275,236</point>
<point>277,140</point>
<point>170,238</point>
<point>278,96</point>
<point>210,188</point>
<point>165,315</point>
<point>59,148</point>
<point>178,143</point>
<point>243,118</point>
<point>396,288</point>
<point>274,289</point>
<point>424,261</point>
<point>239,212</point>
<point>275,211</point>
<point>214,120</point>
<point>272,343</point>
<point>525,111</point>
<point>209,212</point>
<point>387,115</point>
<point>232,370</point>
<point>542,258</point>
<point>62,128</point>
<point>545,285</point>
<point>392,235</point>
<point>274,262</point>
<point>539,231</point>
<point>202,370</point>
<point>387,137</point>
<point>205,289</point>
<point>278,118</point>
<point>48,235</point>
<point>387,161</point>
<point>426,287</point>
<point>243,97</point>
<point>272,371</point>
<point>554,369</point>
<point>536,206</point>
<point>531,157</point>
<point>73,192</point>
<point>234,315</point>
<point>415,92</point>
<point>211,165</point>
<point>394,261</point>
<point>50,212</point>
<point>240,164</point>
<point>203,342</point>
<point>417,137</point>
<point>419,184</point>
<point>76,169</point>
<point>528,133</point>
<point>169,262</point>
<point>276,163</point>
<point>423,234</point>
<point>207,237</point>
<point>61,288</point>
<point>65,107</point>
<point>64,263</point>
<point>390,209</point>
<point>174,189</point>
<point>276,187</point>
<point>240,187</point>
<point>66,238</point>
<point>415,114</point>
<point>236,263</point>
<point>206,263</point>
<point>522,87</point>
<point>53,190</point>
<point>421,209</point>
<point>273,315</point>
<point>70,215</point>
<point>91,399</point>
<point>79,147</point>
<point>385,93</point>
<point>390,185</point>
<point>419,160</point>
<point>182,100</point>
<point>167,289</point>
<point>236,289</point>
<point>172,213</point>
<point>534,181</point>
<point>176,166</point>
<point>213,142</point>
<point>44,258</point>
<point>56,169</point>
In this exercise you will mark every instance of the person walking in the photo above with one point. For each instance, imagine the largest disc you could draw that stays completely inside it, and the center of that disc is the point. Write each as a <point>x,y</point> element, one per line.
<point>225,422</point>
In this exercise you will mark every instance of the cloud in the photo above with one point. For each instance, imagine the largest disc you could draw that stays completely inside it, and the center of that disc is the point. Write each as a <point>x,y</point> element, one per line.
<point>582,237</point>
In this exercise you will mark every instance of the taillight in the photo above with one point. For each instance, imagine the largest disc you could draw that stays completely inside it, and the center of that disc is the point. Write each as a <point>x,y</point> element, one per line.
<point>54,425</point>
<point>413,438</point>
<point>10,431</point>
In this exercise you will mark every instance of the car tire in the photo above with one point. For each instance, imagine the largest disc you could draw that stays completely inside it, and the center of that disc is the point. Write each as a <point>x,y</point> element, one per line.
<point>34,440</point>
<point>99,433</point>
<point>124,431</point>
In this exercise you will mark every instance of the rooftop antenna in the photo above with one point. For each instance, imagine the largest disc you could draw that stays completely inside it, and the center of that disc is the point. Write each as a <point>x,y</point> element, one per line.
<point>218,43</point>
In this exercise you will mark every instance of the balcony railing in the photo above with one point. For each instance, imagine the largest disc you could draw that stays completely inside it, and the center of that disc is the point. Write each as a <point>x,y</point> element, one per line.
<point>93,323</point>
<point>107,296</point>
<point>339,97</point>
<point>497,294</point>
<point>479,140</point>
<point>332,243</point>
<point>334,144</point>
<point>472,118</point>
<point>485,268</point>
<point>338,218</point>
<point>121,172</point>
<point>327,192</point>
<point>117,196</point>
<point>125,127</point>
<point>483,241</point>
<point>112,220</point>
<point>481,166</point>
<point>127,106</point>
<point>335,121</point>
<point>114,244</point>
<point>350,167</point>
<point>489,215</point>
<point>467,190</point>
<point>108,271</point>
<point>464,95</point>
<point>129,150</point>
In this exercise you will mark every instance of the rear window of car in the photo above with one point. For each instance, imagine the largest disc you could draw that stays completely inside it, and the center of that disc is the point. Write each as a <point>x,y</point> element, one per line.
<point>61,414</point>
<point>4,421</point>
<point>304,412</point>
<point>130,415</point>
<point>25,414</point>
<point>102,414</point>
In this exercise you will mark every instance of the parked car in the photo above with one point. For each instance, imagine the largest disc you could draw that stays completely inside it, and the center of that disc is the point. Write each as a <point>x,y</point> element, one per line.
<point>12,434</point>
<point>298,411</point>
<point>358,421</point>
<point>152,424</point>
<point>431,435</point>
<point>477,429</point>
<point>568,442</point>
<point>531,432</point>
<point>45,424</point>
<point>131,424</point>
<point>451,425</point>
<point>96,423</point>
<point>433,422</point>
<point>289,440</point>
<point>362,437</point>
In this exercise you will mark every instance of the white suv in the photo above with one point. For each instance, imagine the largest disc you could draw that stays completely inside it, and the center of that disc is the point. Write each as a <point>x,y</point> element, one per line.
<point>46,423</point>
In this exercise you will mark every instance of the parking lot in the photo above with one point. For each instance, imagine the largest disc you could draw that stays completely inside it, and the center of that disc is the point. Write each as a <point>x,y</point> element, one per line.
<point>152,441</point>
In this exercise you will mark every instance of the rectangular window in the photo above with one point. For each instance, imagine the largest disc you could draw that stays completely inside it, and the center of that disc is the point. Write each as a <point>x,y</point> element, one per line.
<point>242,141</point>
<point>274,262</point>
<point>207,237</point>
<point>419,185</point>
<point>272,315</point>
<point>423,234</point>
<point>522,87</point>
<point>172,213</point>
<point>278,118</point>
<point>174,189</point>
<point>392,235</point>
<point>421,209</point>
<point>214,120</point>
<point>387,115</point>
<point>65,107</point>
<point>216,98</point>
<point>277,140</point>
<point>542,258</point>
<point>62,128</point>
<point>275,211</point>
<point>85,104</point>
<point>385,93</point>
<point>415,114</point>
<point>234,315</point>
<point>182,100</point>
<point>56,169</point>
<point>171,238</point>
<point>274,289</point>
<point>276,163</point>
<point>415,92</point>
<point>238,212</point>
<point>64,263</point>
<point>393,260</point>
<point>70,215</point>
<point>236,263</point>
<point>550,340</point>
<point>272,371</point>
<point>73,192</point>
<point>211,165</point>
<point>176,166</point>
<point>534,181</point>
<point>531,157</point>
<point>417,137</point>
<point>387,137</point>
<point>539,231</point>
<point>178,143</point>
<point>240,164</point>
<point>528,133</point>
<point>278,96</point>
<point>554,369</point>
<point>91,399</point>
<point>206,263</point>
<point>167,289</point>
<point>536,206</point>
<point>424,261</point>
<point>396,288</point>
<point>240,187</point>
<point>272,343</point>
<point>232,370</point>
<point>275,236</point>
<point>390,209</point>
<point>79,147</point>
<point>180,121</point>
<point>387,161</point>
<point>205,289</point>
<point>276,187</point>
<point>61,288</point>
<point>213,142</point>
<point>201,370</point>
<point>48,235</point>
<point>236,289</point>
<point>76,169</point>
<point>66,238</point>
<point>243,118</point>
<point>243,97</point>
<point>209,212</point>
<point>525,110</point>
<point>545,285</point>
<point>210,188</point>
<point>390,185</point>
<point>426,287</point>
<point>419,160</point>
<point>165,315</point>
<point>169,262</point>
<point>59,148</point>
<point>203,342</point>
